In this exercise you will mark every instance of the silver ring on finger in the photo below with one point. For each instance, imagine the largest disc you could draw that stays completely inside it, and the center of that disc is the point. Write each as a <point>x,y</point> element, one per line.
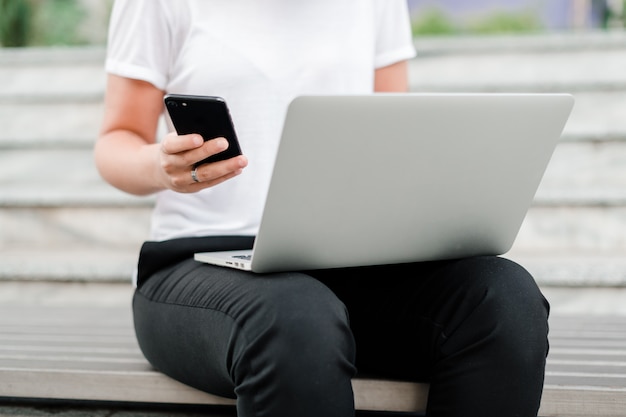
<point>194,175</point>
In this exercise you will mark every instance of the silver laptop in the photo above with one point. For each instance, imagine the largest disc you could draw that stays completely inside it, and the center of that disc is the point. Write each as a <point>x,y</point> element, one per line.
<point>394,178</point>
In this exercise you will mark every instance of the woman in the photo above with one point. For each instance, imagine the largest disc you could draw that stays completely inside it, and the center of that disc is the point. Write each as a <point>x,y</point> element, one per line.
<point>288,344</point>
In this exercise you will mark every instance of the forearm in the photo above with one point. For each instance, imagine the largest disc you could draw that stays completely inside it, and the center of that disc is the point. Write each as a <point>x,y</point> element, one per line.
<point>128,163</point>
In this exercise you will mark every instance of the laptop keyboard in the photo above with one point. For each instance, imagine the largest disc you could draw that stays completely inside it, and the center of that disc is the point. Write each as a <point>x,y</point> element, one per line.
<point>244,257</point>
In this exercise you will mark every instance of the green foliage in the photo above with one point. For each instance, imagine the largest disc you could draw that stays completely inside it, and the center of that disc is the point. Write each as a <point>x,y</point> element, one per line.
<point>507,22</point>
<point>616,17</point>
<point>56,22</point>
<point>40,22</point>
<point>436,22</point>
<point>433,22</point>
<point>15,16</point>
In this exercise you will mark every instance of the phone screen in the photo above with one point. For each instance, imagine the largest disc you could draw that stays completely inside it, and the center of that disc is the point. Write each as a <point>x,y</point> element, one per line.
<point>207,116</point>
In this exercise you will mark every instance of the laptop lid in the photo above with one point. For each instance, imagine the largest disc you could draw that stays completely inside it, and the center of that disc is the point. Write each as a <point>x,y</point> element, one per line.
<point>393,178</point>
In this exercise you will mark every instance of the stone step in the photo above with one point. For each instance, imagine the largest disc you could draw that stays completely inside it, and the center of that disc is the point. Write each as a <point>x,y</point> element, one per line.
<point>545,230</point>
<point>52,75</point>
<point>562,230</point>
<point>45,125</point>
<point>68,264</point>
<point>574,269</point>
<point>585,173</point>
<point>60,221</point>
<point>63,125</point>
<point>558,62</point>
<point>579,174</point>
<point>55,178</point>
<point>71,243</point>
<point>570,71</point>
<point>566,246</point>
<point>95,263</point>
<point>87,242</point>
<point>74,227</point>
<point>574,229</point>
<point>546,42</point>
<point>597,116</point>
<point>574,62</point>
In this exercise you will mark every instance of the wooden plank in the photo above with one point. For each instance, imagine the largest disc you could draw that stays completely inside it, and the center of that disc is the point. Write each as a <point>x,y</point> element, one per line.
<point>153,387</point>
<point>395,396</point>
<point>376,395</point>
<point>61,353</point>
<point>71,350</point>
<point>123,386</point>
<point>572,379</point>
<point>600,367</point>
<point>584,401</point>
<point>585,343</point>
<point>89,365</point>
<point>92,354</point>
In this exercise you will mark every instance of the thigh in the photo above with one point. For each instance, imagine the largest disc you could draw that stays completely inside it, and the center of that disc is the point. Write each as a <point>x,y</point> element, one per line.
<point>396,335</point>
<point>183,328</point>
<point>204,324</point>
<point>404,317</point>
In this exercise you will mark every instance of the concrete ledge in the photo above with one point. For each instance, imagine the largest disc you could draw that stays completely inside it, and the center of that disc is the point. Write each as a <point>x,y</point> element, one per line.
<point>576,271</point>
<point>117,265</point>
<point>544,42</point>
<point>52,55</point>
<point>70,265</point>
<point>540,41</point>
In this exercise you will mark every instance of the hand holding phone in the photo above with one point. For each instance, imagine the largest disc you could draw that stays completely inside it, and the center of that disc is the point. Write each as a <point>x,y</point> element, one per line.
<point>207,116</point>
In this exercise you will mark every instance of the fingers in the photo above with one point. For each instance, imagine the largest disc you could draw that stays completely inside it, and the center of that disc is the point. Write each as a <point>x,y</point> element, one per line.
<point>173,144</point>
<point>192,147</point>
<point>179,154</point>
<point>209,175</point>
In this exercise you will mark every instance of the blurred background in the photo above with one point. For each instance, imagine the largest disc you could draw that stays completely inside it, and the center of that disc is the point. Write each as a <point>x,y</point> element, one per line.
<point>60,223</point>
<point>518,16</point>
<point>84,22</point>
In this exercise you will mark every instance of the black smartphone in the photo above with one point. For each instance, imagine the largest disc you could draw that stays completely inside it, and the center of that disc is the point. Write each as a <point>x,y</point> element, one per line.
<point>207,116</point>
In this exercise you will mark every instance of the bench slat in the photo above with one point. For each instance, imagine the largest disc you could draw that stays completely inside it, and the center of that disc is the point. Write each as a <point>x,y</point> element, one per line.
<point>91,354</point>
<point>152,387</point>
<point>123,386</point>
<point>569,401</point>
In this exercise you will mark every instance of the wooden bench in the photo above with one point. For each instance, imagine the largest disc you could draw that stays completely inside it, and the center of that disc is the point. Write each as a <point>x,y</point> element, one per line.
<point>90,354</point>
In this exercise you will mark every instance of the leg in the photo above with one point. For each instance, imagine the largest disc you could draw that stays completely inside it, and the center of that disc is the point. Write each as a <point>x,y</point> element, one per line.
<point>280,343</point>
<point>476,329</point>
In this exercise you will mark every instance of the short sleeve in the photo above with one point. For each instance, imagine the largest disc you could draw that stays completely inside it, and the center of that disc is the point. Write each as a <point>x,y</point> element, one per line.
<point>141,40</point>
<point>394,40</point>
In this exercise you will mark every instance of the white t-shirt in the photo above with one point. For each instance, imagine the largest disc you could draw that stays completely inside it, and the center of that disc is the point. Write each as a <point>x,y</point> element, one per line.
<point>258,56</point>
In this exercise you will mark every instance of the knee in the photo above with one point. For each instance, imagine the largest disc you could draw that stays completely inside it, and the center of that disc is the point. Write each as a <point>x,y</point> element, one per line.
<point>515,297</point>
<point>294,351</point>
<point>298,323</point>
<point>508,306</point>
<point>509,286</point>
<point>304,313</point>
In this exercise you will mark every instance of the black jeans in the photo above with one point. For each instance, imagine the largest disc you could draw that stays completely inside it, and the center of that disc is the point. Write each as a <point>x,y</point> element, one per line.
<point>288,344</point>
